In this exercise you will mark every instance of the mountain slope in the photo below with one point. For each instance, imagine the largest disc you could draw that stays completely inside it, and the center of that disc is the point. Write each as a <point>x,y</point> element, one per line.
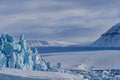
<point>110,38</point>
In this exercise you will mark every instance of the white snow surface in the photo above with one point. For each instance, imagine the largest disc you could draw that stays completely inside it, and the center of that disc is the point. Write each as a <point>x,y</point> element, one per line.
<point>86,60</point>
<point>15,74</point>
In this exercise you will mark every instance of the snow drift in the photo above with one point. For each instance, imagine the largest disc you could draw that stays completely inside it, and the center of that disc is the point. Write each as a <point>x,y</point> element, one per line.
<point>15,74</point>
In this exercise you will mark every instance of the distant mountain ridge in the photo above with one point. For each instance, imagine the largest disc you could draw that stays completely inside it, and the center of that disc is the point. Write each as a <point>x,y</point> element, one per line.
<point>44,43</point>
<point>110,38</point>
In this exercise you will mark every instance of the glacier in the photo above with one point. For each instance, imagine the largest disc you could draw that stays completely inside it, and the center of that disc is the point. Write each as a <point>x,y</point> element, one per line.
<point>16,54</point>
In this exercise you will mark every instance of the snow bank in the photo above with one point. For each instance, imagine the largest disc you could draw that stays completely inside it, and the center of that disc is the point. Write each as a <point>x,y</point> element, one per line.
<point>15,74</point>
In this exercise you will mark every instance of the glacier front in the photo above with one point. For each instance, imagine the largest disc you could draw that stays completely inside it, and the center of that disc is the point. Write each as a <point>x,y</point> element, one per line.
<point>18,55</point>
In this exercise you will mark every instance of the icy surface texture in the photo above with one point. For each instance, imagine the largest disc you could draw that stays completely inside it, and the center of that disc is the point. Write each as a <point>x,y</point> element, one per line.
<point>18,55</point>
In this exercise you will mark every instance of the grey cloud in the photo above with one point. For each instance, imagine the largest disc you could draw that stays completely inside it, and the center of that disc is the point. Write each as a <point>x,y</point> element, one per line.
<point>58,19</point>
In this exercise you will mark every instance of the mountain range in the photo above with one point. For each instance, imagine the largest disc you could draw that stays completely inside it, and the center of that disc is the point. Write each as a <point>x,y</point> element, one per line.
<point>45,43</point>
<point>111,38</point>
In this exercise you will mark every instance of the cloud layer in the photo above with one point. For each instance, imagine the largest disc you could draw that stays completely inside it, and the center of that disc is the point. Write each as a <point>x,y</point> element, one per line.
<point>71,20</point>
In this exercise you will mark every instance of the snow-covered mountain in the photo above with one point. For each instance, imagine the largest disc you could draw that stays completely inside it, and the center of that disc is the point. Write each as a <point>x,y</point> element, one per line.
<point>110,38</point>
<point>43,43</point>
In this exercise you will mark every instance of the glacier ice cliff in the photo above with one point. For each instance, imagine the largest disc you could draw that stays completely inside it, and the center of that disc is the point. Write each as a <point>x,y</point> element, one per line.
<point>16,54</point>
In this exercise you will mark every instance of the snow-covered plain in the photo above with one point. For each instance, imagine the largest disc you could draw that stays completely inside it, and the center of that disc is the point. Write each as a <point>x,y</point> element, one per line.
<point>86,59</point>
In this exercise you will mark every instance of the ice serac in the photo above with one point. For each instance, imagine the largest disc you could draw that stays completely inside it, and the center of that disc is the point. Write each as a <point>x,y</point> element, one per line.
<point>19,56</point>
<point>110,38</point>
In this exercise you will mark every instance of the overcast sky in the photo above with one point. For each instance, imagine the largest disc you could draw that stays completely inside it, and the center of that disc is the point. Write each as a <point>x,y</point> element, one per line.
<point>70,20</point>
